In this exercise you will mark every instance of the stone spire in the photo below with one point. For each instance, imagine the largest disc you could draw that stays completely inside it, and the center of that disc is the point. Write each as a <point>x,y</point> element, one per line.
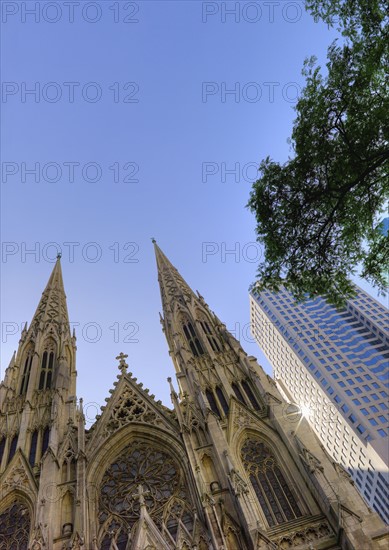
<point>173,287</point>
<point>52,308</point>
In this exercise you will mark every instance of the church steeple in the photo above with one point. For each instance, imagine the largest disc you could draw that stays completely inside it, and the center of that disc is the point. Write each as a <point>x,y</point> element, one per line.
<point>172,285</point>
<point>206,356</point>
<point>239,440</point>
<point>41,379</point>
<point>52,309</point>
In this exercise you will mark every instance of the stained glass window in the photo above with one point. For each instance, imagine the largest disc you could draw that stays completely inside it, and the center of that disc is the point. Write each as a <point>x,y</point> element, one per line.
<point>14,528</point>
<point>273,492</point>
<point>164,492</point>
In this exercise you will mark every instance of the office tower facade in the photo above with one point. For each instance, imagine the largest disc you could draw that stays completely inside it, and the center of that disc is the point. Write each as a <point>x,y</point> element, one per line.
<point>334,366</point>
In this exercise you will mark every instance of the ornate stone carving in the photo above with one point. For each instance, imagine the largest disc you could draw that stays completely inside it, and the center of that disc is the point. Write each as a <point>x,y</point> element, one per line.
<point>304,537</point>
<point>237,483</point>
<point>313,464</point>
<point>39,538</point>
<point>131,407</point>
<point>77,542</point>
<point>16,479</point>
<point>143,477</point>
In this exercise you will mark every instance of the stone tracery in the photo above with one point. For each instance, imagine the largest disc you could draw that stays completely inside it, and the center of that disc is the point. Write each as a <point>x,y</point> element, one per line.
<point>164,493</point>
<point>273,493</point>
<point>14,527</point>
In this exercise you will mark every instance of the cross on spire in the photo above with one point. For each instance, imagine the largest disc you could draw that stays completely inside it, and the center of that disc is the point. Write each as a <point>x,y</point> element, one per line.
<point>122,362</point>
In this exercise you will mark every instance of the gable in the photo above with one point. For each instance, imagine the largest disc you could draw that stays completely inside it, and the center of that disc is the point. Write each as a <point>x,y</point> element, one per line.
<point>130,404</point>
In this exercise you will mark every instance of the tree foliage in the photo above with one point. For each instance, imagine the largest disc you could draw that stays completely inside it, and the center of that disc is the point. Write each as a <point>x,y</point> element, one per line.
<point>318,214</point>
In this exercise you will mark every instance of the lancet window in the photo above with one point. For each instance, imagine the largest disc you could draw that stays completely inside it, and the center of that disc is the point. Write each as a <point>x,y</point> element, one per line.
<point>45,440</point>
<point>237,392</point>
<point>210,336</point>
<point>47,366</point>
<point>12,447</point>
<point>192,338</point>
<point>222,399</point>
<point>212,402</point>
<point>271,488</point>
<point>14,528</point>
<point>26,371</point>
<point>249,392</point>
<point>33,447</point>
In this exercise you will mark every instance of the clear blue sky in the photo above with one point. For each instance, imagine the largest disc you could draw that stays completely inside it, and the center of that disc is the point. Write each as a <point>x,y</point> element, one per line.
<point>158,141</point>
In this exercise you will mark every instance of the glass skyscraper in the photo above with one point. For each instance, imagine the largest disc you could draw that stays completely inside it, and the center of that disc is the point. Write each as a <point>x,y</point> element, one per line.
<point>334,365</point>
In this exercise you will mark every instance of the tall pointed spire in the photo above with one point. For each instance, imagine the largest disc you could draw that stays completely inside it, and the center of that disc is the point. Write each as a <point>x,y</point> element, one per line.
<point>172,284</point>
<point>52,307</point>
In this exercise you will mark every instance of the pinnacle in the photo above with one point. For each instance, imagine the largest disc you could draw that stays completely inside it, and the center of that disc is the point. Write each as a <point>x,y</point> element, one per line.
<point>172,284</point>
<point>52,306</point>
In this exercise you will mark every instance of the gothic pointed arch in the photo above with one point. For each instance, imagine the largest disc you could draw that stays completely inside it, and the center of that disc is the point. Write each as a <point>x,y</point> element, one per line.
<point>164,488</point>
<point>207,327</point>
<point>269,482</point>
<point>191,336</point>
<point>15,525</point>
<point>28,356</point>
<point>48,358</point>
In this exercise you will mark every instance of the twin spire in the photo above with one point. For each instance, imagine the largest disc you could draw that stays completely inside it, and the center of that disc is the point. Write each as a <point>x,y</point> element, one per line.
<point>52,307</point>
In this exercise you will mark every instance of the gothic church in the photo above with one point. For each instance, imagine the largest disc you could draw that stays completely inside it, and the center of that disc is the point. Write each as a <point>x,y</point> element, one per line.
<point>227,468</point>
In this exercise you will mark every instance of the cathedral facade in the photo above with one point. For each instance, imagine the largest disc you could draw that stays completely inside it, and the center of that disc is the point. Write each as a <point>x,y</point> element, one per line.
<point>228,467</point>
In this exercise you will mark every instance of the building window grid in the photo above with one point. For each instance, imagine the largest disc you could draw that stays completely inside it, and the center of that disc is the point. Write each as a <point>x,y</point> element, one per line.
<point>349,392</point>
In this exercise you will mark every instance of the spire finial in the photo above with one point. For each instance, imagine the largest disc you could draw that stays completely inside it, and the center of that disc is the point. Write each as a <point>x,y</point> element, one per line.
<point>59,255</point>
<point>122,362</point>
<point>153,240</point>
